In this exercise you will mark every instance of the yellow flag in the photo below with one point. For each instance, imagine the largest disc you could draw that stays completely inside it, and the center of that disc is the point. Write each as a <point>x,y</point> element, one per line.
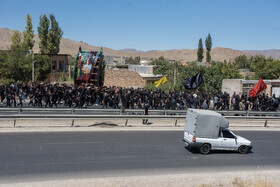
<point>161,81</point>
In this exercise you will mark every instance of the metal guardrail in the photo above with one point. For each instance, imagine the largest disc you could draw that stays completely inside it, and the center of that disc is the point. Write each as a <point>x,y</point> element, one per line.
<point>74,117</point>
<point>135,111</point>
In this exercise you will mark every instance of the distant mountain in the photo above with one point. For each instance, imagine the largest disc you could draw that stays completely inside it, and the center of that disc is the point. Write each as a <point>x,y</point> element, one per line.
<point>274,53</point>
<point>71,47</point>
<point>131,50</point>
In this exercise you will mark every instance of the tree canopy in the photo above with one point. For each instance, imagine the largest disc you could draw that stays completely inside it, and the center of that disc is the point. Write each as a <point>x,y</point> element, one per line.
<point>16,39</point>
<point>200,51</point>
<point>50,35</point>
<point>28,34</point>
<point>54,35</point>
<point>16,65</point>
<point>213,75</point>
<point>43,30</point>
<point>208,45</point>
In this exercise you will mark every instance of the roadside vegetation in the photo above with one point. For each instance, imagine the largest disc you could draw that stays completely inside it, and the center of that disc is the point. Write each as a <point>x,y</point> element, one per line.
<point>16,64</point>
<point>264,67</point>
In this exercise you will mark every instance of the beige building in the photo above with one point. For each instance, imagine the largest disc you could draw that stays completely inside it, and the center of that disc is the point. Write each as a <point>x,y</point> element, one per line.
<point>59,64</point>
<point>244,86</point>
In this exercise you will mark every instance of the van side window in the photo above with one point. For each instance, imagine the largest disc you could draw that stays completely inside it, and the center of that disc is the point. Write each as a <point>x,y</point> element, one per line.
<point>227,134</point>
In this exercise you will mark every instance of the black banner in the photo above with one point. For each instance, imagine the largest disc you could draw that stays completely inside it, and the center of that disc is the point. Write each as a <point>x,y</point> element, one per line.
<point>194,81</point>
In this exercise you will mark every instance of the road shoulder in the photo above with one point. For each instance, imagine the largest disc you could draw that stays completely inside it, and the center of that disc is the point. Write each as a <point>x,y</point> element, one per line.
<point>264,178</point>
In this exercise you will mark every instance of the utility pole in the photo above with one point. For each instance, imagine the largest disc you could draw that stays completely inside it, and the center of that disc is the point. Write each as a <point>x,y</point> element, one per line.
<point>33,77</point>
<point>244,71</point>
<point>175,71</point>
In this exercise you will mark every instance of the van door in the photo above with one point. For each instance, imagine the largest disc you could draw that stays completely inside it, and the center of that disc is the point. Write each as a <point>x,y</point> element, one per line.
<point>218,142</point>
<point>229,140</point>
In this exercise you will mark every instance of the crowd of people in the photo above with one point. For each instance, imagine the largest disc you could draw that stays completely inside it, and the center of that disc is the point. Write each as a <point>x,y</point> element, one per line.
<point>62,95</point>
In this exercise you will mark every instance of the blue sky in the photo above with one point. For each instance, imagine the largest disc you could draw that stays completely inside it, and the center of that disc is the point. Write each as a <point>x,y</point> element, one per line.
<point>155,24</point>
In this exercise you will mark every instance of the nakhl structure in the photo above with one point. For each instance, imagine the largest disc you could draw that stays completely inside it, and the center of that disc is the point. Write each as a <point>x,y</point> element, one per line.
<point>89,68</point>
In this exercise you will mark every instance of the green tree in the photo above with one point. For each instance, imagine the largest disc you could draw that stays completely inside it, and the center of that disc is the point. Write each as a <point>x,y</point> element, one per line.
<point>54,36</point>
<point>208,45</point>
<point>28,34</point>
<point>71,60</point>
<point>16,39</point>
<point>215,74</point>
<point>164,67</point>
<point>200,51</point>
<point>137,58</point>
<point>18,66</point>
<point>42,67</point>
<point>3,61</point>
<point>130,59</point>
<point>43,30</point>
<point>266,68</point>
<point>242,62</point>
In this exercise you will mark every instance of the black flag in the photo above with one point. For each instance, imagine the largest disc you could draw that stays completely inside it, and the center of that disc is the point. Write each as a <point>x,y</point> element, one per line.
<point>194,81</point>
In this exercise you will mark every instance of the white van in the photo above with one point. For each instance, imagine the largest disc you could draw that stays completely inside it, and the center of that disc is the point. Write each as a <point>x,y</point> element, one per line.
<point>208,130</point>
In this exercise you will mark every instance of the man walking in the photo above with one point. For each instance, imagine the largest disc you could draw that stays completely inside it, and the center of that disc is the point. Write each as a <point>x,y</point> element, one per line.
<point>146,112</point>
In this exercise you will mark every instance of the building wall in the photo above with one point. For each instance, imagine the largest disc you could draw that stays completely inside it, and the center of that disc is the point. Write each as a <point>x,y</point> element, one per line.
<point>232,85</point>
<point>141,69</point>
<point>109,59</point>
<point>244,86</point>
<point>59,63</point>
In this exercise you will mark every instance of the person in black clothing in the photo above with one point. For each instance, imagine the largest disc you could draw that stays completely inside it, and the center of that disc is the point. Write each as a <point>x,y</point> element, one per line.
<point>219,105</point>
<point>70,99</point>
<point>237,101</point>
<point>48,98</point>
<point>124,101</point>
<point>38,98</point>
<point>76,99</point>
<point>8,99</point>
<point>105,100</point>
<point>146,112</point>
<point>54,96</point>
<point>2,93</point>
<point>81,98</point>
<point>59,94</point>
<point>13,93</point>
<point>173,103</point>
<point>31,99</point>
<point>116,99</point>
<point>87,97</point>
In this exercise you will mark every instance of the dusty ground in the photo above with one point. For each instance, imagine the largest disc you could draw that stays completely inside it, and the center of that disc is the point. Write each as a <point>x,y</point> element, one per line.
<point>225,179</point>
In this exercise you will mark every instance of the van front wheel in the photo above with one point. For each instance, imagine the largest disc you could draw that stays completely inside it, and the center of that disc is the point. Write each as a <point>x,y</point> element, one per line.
<point>205,149</point>
<point>243,149</point>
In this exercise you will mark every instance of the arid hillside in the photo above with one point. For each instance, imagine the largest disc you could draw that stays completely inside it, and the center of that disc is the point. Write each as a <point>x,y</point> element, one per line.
<point>68,46</point>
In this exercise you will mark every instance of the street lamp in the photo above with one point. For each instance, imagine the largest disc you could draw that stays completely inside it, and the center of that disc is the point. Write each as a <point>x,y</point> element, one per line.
<point>31,52</point>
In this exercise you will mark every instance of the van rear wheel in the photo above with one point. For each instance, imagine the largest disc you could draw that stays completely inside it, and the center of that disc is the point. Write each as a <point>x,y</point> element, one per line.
<point>243,149</point>
<point>205,149</point>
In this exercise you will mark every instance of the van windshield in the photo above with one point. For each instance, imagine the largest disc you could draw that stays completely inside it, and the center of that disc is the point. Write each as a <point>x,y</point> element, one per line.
<point>227,134</point>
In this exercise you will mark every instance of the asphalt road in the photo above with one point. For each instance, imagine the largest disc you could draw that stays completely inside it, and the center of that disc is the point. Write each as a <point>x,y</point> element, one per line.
<point>33,156</point>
